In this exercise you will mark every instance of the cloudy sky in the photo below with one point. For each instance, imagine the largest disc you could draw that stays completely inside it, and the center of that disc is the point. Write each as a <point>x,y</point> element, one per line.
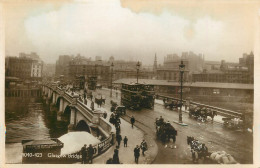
<point>131,29</point>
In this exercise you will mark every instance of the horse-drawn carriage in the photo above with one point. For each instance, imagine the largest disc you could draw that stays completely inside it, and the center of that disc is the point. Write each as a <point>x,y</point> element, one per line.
<point>200,151</point>
<point>201,113</point>
<point>171,103</point>
<point>233,123</point>
<point>118,110</point>
<point>244,121</point>
<point>100,99</point>
<point>165,131</point>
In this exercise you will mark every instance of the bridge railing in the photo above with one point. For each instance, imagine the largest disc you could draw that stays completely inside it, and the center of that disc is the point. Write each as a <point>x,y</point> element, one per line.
<point>220,111</point>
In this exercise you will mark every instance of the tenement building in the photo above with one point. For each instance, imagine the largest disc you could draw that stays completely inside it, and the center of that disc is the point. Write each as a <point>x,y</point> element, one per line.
<point>62,65</point>
<point>81,66</point>
<point>170,69</point>
<point>26,67</point>
<point>242,72</point>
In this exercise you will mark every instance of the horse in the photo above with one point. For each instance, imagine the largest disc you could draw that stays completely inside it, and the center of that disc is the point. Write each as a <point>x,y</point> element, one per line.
<point>211,113</point>
<point>177,104</point>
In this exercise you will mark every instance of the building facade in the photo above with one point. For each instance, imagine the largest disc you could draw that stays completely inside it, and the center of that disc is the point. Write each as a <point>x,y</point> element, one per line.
<point>25,67</point>
<point>81,66</point>
<point>170,68</point>
<point>62,65</point>
<point>241,72</point>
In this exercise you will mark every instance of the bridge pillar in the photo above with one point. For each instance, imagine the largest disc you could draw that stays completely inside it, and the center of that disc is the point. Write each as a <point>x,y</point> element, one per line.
<point>43,89</point>
<point>46,90</point>
<point>53,98</point>
<point>60,110</point>
<point>49,93</point>
<point>65,104</point>
<point>73,118</point>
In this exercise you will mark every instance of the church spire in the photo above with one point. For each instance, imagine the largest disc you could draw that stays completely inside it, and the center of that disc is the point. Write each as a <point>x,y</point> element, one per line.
<point>155,63</point>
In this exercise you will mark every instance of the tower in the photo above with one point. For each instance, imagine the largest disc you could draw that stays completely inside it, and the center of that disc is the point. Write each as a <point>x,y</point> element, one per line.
<point>155,64</point>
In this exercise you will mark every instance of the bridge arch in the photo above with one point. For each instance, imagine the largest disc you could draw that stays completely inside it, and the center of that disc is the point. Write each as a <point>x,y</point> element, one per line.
<point>58,101</point>
<point>82,126</point>
<point>67,113</point>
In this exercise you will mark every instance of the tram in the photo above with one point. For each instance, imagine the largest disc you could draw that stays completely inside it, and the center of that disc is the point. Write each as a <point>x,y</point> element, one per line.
<point>137,96</point>
<point>92,83</point>
<point>79,82</point>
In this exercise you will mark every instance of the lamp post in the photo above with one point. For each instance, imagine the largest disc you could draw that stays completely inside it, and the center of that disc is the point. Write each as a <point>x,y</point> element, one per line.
<point>137,68</point>
<point>112,65</point>
<point>181,68</point>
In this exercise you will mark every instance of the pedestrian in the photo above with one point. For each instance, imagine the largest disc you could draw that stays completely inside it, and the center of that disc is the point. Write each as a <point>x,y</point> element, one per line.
<point>105,115</point>
<point>84,154</point>
<point>85,101</point>
<point>125,141</point>
<point>118,121</point>
<point>132,121</point>
<point>116,156</point>
<point>143,146</point>
<point>136,153</point>
<point>92,105</point>
<point>90,153</point>
<point>118,139</point>
<point>118,129</point>
<point>91,97</point>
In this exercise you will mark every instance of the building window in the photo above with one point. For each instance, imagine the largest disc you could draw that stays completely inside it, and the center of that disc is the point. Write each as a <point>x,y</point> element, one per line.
<point>216,91</point>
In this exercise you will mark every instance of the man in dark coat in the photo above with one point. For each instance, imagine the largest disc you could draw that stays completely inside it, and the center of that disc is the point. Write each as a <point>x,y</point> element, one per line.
<point>143,146</point>
<point>84,154</point>
<point>116,156</point>
<point>118,139</point>
<point>132,120</point>
<point>90,153</point>
<point>136,153</point>
<point>92,105</point>
<point>125,141</point>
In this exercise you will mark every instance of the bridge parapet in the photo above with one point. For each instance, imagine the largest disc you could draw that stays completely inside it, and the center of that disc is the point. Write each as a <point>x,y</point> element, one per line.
<point>221,111</point>
<point>73,99</point>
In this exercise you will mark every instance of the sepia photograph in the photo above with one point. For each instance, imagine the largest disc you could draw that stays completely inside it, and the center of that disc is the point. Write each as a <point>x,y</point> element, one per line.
<point>130,82</point>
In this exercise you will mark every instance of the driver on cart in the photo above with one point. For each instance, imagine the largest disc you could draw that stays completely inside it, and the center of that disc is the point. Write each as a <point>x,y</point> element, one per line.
<point>161,120</point>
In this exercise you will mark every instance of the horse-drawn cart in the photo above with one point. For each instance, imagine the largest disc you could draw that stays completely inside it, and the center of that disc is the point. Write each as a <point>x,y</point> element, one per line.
<point>171,104</point>
<point>201,113</point>
<point>233,123</point>
<point>165,131</point>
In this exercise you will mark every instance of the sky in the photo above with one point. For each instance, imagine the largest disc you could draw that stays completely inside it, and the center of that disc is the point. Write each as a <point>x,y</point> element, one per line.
<point>131,29</point>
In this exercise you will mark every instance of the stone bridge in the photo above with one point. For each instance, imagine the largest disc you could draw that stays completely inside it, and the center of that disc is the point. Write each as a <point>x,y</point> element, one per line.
<point>80,116</point>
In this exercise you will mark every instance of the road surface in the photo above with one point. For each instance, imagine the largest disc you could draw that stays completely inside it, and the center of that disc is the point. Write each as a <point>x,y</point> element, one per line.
<point>215,137</point>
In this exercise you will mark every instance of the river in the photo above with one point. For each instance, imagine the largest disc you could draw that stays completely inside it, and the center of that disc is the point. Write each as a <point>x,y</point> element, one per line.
<point>29,119</point>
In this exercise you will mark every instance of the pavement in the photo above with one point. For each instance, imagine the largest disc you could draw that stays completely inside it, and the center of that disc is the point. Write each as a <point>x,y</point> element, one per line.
<point>135,137</point>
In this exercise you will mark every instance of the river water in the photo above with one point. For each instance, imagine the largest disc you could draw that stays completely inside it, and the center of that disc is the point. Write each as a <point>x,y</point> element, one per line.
<point>31,120</point>
<point>28,119</point>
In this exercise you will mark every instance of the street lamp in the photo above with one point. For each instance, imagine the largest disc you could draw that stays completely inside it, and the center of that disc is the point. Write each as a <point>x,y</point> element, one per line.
<point>137,68</point>
<point>112,65</point>
<point>181,68</point>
